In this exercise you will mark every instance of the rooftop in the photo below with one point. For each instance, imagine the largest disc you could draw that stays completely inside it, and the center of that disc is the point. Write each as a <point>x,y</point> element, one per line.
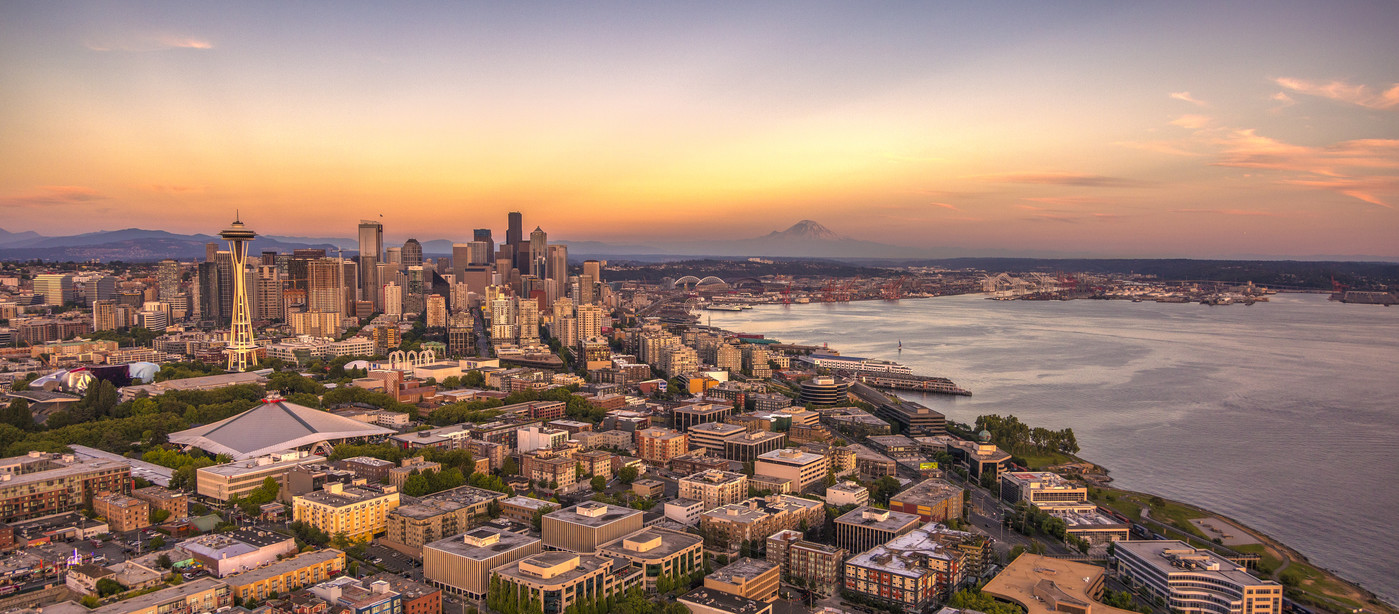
<point>906,554</point>
<point>1030,578</point>
<point>530,502</point>
<point>266,463</point>
<point>1171,556</point>
<point>272,426</point>
<point>305,559</point>
<point>847,487</point>
<point>409,589</point>
<point>743,570</point>
<point>562,567</point>
<point>714,476</point>
<point>929,492</point>
<point>593,514</point>
<point>724,602</point>
<point>875,518</point>
<point>222,545</point>
<point>717,429</point>
<point>150,600</point>
<point>347,495</point>
<point>369,461</point>
<point>447,501</point>
<point>482,543</point>
<point>650,543</point>
<point>788,456</point>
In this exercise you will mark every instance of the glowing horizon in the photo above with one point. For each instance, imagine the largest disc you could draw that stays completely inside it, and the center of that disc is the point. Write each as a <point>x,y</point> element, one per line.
<point>1156,130</point>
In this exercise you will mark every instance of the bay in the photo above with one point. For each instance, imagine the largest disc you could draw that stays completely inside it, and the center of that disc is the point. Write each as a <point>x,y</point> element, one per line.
<point>1283,415</point>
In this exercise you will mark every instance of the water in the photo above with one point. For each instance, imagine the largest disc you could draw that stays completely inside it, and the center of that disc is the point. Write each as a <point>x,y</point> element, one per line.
<point>1283,415</point>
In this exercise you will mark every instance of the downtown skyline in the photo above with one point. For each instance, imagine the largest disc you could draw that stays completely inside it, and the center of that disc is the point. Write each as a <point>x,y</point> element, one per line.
<point>1194,130</point>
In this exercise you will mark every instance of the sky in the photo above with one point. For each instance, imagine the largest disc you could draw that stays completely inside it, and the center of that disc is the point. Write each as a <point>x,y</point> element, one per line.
<point>1182,129</point>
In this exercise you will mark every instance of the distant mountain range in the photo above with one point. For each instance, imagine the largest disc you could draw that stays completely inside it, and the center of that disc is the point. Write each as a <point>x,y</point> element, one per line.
<point>805,239</point>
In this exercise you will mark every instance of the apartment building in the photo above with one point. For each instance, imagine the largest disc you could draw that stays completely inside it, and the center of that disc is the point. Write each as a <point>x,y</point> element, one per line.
<point>714,488</point>
<point>360,512</point>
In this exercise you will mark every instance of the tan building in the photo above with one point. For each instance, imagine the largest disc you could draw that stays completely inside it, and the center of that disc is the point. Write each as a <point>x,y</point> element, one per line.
<point>436,516</point>
<point>549,470</point>
<point>595,462</point>
<point>818,564</point>
<point>933,500</point>
<point>39,484</point>
<point>847,493</point>
<point>658,445</point>
<point>398,475</point>
<point>286,575</point>
<point>123,513</point>
<point>754,579</point>
<point>160,498</point>
<point>560,579</point>
<point>462,565</point>
<point>659,552</point>
<point>522,509</point>
<point>803,468</point>
<point>360,512</point>
<point>866,527</point>
<point>711,436</point>
<point>220,482</point>
<point>714,488</point>
<point>1042,585</point>
<point>201,595</point>
<point>755,519</point>
<point>584,527</point>
<point>1191,580</point>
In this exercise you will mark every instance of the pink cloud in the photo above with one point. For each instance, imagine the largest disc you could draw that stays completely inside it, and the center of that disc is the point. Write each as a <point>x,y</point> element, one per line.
<point>945,206</point>
<point>53,195</point>
<point>1074,179</point>
<point>1341,91</point>
<point>1186,97</point>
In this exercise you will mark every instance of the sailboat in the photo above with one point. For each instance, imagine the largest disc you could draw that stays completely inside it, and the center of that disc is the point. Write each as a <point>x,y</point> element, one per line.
<point>901,345</point>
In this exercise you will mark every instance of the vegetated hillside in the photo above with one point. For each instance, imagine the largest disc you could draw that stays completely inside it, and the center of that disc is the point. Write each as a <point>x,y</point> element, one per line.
<point>730,270</point>
<point>1285,273</point>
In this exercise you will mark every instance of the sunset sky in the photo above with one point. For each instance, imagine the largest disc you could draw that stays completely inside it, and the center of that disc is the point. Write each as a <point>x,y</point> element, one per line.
<point>1114,128</point>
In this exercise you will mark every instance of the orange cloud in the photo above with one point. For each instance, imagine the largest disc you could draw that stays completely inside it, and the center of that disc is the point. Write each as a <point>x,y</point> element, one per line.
<point>1074,179</point>
<point>1340,91</point>
<point>945,206</point>
<point>1186,97</point>
<point>53,195</point>
<point>149,42</point>
<point>1191,122</point>
<point>1069,200</point>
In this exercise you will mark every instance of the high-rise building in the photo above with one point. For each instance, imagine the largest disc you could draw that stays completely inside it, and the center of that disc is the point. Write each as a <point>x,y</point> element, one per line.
<point>478,253</point>
<point>242,349</point>
<point>167,277</point>
<point>104,316</point>
<point>56,288</point>
<point>268,294</point>
<point>527,321</point>
<point>325,291</point>
<point>484,235</point>
<point>412,253</point>
<point>557,269</point>
<point>514,236</point>
<point>103,288</point>
<point>436,311</point>
<point>371,252</point>
<point>393,299</point>
<point>538,253</point>
<point>393,255</point>
<point>589,322</point>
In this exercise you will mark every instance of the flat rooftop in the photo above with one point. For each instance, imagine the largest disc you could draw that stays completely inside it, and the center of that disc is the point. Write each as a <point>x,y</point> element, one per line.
<point>724,602</point>
<point>929,492</point>
<point>369,461</point>
<point>447,501</point>
<point>714,476</point>
<point>717,429</point>
<point>1171,556</point>
<point>150,600</point>
<point>896,441</point>
<point>1030,576</point>
<point>593,514</point>
<point>349,495</point>
<point>790,457</point>
<point>243,467</point>
<point>875,518</point>
<point>529,502</point>
<point>650,543</point>
<point>743,570</point>
<point>458,546</point>
<point>305,559</point>
<point>587,563</point>
<point>906,554</point>
<point>151,472</point>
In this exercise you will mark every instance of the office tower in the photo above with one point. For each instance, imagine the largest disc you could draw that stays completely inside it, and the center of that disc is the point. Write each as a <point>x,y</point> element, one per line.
<point>412,253</point>
<point>503,320</point>
<point>514,236</point>
<point>504,260</point>
<point>268,257</point>
<point>56,288</point>
<point>325,286</point>
<point>594,268</point>
<point>479,252</point>
<point>393,255</point>
<point>586,290</point>
<point>538,252</point>
<point>242,349</point>
<point>527,321</point>
<point>484,235</point>
<point>269,293</point>
<point>418,282</point>
<point>475,277</point>
<point>209,250</point>
<point>371,239</point>
<point>589,322</point>
<point>167,276</point>
<point>104,315</point>
<point>558,267</point>
<point>393,299</point>
<point>436,311</point>
<point>103,288</point>
<point>224,260</point>
<point>461,256</point>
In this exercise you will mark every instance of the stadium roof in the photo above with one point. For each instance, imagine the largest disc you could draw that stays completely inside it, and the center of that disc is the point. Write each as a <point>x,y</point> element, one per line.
<point>273,426</point>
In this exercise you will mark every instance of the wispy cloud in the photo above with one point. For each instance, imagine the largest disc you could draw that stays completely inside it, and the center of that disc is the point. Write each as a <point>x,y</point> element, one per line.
<point>1191,122</point>
<point>1186,97</point>
<point>159,41</point>
<point>1236,212</point>
<point>1170,148</point>
<point>1341,91</point>
<point>1073,179</point>
<point>945,206</point>
<point>53,195</point>
<point>176,188</point>
<point>1070,200</point>
<point>1360,169</point>
<point>1283,101</point>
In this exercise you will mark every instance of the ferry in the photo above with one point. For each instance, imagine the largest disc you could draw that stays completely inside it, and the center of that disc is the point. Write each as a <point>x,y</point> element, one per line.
<point>726,307</point>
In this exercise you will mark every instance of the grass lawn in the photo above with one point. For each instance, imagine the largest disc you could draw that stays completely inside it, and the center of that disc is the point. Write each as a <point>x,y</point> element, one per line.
<point>1037,460</point>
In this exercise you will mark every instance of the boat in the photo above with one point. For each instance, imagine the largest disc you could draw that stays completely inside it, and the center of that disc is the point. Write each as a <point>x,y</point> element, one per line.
<point>725,307</point>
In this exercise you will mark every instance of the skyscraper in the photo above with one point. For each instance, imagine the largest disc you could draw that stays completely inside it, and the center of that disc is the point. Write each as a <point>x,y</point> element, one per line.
<point>558,268</point>
<point>393,255</point>
<point>325,288</point>
<point>268,297</point>
<point>167,277</point>
<point>538,252</point>
<point>412,253</point>
<point>479,253</point>
<point>56,288</point>
<point>515,232</point>
<point>484,235</point>
<point>242,349</point>
<point>371,252</point>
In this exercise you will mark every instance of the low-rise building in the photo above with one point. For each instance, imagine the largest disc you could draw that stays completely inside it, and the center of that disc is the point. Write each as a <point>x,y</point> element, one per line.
<point>866,527</point>
<point>647,487</point>
<point>933,500</point>
<point>522,509</point>
<point>755,579</point>
<point>399,475</point>
<point>416,597</point>
<point>711,436</point>
<point>714,487</point>
<point>584,527</point>
<point>709,601</point>
<point>220,482</point>
<point>436,516</point>
<point>1041,489</point>
<point>658,445</point>
<point>375,470</point>
<point>558,580</point>
<point>122,512</point>
<point>803,468</point>
<point>537,437</point>
<point>729,526</point>
<point>747,447</point>
<point>352,596</point>
<point>658,552</point>
<point>1042,585</point>
<point>462,565</point>
<point>1195,581</point>
<point>237,551</point>
<point>698,460</point>
<point>286,575</point>
<point>980,457</point>
<point>360,512</point>
<point>819,565</point>
<point>40,484</point>
<point>201,595</point>
<point>917,568</point>
<point>684,511</point>
<point>847,493</point>
<point>871,465</point>
<point>161,498</point>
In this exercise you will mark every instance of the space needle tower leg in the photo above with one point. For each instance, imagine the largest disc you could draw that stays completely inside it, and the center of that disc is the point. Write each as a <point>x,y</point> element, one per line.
<point>242,348</point>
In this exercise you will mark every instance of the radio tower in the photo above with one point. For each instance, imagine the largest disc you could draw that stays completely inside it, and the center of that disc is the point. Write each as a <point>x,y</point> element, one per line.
<point>242,349</point>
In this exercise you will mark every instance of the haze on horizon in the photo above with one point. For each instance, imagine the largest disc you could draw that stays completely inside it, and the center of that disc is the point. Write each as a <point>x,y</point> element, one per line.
<point>1141,129</point>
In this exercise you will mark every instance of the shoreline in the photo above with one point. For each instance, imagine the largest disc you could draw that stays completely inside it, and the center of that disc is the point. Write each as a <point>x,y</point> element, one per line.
<point>1316,586</point>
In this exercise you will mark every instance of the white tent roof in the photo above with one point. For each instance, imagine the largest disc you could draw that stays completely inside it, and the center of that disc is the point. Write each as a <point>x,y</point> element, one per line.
<point>271,427</point>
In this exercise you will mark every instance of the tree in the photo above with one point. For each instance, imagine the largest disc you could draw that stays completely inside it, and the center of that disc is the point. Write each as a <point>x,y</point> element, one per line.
<point>416,486</point>
<point>537,520</point>
<point>18,415</point>
<point>164,561</point>
<point>510,467</point>
<point>598,483</point>
<point>628,474</point>
<point>107,587</point>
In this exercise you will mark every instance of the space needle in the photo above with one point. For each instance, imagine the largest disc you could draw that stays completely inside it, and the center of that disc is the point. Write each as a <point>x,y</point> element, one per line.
<point>242,349</point>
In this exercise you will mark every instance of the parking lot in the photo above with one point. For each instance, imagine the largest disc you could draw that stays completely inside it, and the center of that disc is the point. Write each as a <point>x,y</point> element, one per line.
<point>390,559</point>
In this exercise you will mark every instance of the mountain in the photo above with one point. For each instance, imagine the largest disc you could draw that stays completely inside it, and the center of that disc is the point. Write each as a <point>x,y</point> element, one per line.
<point>16,239</point>
<point>805,230</point>
<point>130,244</point>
